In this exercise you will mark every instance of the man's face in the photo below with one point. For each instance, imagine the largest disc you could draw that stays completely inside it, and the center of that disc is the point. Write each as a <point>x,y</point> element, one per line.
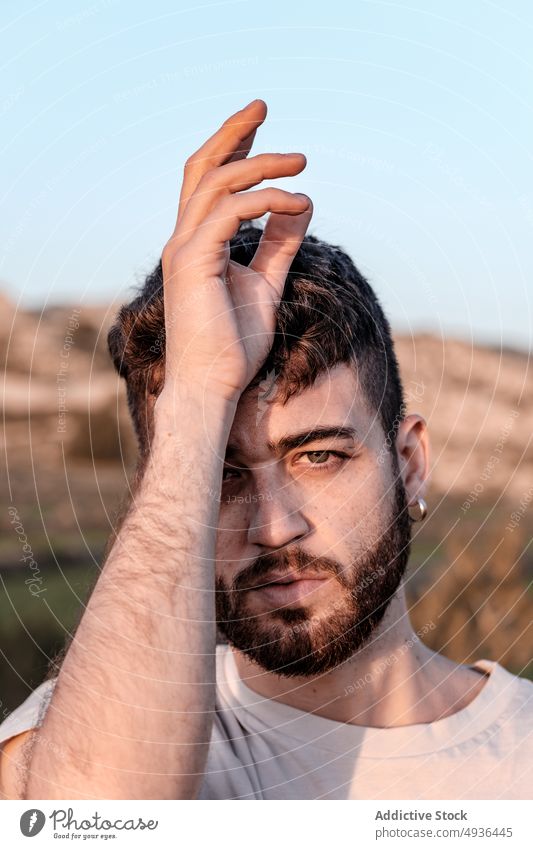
<point>326,509</point>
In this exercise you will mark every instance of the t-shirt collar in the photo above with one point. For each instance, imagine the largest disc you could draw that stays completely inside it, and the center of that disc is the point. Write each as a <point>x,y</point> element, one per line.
<point>261,715</point>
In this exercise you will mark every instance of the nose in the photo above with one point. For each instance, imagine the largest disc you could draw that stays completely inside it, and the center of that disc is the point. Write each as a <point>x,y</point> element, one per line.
<point>277,520</point>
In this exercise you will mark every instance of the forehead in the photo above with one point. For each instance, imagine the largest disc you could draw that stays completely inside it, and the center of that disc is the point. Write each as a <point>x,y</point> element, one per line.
<point>334,399</point>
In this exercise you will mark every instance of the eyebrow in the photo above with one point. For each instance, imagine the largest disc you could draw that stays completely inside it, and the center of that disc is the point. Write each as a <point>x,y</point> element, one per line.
<point>303,437</point>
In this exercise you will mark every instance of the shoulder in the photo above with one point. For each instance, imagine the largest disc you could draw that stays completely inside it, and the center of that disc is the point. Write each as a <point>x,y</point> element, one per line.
<point>518,687</point>
<point>15,732</point>
<point>523,695</point>
<point>12,761</point>
<point>509,698</point>
<point>29,714</point>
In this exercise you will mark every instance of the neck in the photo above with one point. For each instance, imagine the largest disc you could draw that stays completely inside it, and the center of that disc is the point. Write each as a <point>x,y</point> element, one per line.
<point>393,680</point>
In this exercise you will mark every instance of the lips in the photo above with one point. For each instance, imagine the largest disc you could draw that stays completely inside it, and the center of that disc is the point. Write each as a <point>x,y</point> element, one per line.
<point>290,590</point>
<point>289,578</point>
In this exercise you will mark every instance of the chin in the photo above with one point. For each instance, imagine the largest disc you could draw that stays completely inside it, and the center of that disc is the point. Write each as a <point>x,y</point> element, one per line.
<point>292,643</point>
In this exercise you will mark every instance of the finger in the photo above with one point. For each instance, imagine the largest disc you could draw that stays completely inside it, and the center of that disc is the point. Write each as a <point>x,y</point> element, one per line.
<point>236,177</point>
<point>224,220</point>
<point>234,138</point>
<point>244,148</point>
<point>279,244</point>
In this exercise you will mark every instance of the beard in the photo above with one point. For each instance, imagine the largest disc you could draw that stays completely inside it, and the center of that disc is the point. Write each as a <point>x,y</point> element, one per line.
<point>291,641</point>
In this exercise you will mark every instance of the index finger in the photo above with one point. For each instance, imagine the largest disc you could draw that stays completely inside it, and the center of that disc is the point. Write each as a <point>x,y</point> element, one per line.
<point>232,141</point>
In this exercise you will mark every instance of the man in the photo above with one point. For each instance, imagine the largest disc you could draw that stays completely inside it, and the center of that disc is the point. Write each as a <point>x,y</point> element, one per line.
<point>277,470</point>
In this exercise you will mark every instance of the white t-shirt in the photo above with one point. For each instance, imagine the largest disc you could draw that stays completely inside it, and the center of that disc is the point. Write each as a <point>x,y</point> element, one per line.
<point>263,749</point>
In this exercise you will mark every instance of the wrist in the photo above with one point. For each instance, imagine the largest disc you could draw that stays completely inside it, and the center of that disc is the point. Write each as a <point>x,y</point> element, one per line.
<point>184,405</point>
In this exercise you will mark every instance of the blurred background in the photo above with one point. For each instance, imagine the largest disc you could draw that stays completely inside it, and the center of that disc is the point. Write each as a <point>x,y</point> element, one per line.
<point>416,122</point>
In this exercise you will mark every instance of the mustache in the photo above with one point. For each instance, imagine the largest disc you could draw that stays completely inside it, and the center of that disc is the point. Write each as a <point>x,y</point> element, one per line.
<point>293,560</point>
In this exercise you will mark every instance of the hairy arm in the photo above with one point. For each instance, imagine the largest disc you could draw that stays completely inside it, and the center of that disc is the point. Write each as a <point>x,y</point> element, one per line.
<point>131,713</point>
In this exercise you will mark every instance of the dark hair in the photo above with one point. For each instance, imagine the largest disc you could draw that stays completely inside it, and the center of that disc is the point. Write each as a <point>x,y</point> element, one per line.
<point>329,314</point>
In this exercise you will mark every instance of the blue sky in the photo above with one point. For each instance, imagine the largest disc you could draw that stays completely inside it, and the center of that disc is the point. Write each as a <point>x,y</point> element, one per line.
<point>415,118</point>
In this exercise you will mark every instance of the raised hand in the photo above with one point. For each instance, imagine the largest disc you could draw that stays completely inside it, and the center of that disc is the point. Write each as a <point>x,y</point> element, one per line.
<point>219,315</point>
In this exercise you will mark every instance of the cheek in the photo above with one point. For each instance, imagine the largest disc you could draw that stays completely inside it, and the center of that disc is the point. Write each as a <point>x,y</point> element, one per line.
<point>233,519</point>
<point>226,559</point>
<point>353,509</point>
<point>223,546</point>
<point>231,533</point>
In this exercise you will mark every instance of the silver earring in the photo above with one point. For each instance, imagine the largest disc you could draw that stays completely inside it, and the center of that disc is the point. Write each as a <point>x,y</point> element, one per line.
<point>421,510</point>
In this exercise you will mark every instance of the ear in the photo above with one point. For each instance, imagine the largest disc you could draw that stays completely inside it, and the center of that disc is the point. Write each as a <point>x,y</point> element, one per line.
<point>412,451</point>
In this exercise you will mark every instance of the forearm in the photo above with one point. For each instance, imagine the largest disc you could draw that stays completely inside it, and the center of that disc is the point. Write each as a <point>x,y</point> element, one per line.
<point>133,704</point>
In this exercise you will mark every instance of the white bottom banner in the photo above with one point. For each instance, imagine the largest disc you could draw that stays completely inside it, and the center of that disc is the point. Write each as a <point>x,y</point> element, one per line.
<point>224,824</point>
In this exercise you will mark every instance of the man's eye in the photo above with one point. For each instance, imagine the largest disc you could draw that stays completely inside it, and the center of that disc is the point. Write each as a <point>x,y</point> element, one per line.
<point>230,472</point>
<point>316,459</point>
<point>324,459</point>
<point>318,456</point>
